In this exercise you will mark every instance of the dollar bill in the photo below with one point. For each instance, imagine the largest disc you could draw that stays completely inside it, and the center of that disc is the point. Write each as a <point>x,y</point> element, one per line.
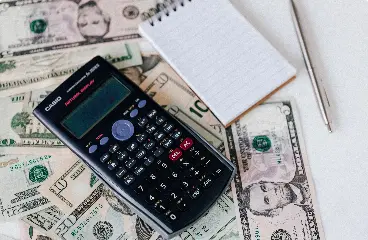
<point>34,27</point>
<point>274,190</point>
<point>214,225</point>
<point>19,127</point>
<point>22,175</point>
<point>28,232</point>
<point>171,92</point>
<point>53,68</point>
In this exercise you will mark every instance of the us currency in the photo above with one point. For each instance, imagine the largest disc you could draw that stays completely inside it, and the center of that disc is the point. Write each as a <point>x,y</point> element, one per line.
<point>214,225</point>
<point>274,190</point>
<point>54,67</point>
<point>170,91</point>
<point>36,27</point>
<point>20,129</point>
<point>22,175</point>
<point>28,232</point>
<point>85,209</point>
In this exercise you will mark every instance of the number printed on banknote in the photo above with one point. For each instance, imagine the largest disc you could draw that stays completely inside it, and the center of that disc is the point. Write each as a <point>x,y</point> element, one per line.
<point>21,176</point>
<point>273,187</point>
<point>34,27</point>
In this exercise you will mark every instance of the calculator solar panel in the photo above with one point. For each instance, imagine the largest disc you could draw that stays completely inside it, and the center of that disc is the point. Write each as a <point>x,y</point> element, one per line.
<point>157,165</point>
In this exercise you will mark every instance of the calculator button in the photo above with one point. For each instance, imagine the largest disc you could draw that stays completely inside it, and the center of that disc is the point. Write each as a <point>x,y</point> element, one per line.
<point>149,161</point>
<point>158,152</point>
<point>194,193</point>
<point>140,189</point>
<point>173,197</point>
<point>139,170</point>
<point>184,184</point>
<point>161,206</point>
<point>104,140</point>
<point>142,103</point>
<point>152,114</point>
<point>195,173</point>
<point>182,205</point>
<point>160,120</point>
<point>152,178</point>
<point>162,186</point>
<point>149,145</point>
<point>206,163</point>
<point>130,163</point>
<point>175,154</point>
<point>207,182</point>
<point>186,144</point>
<point>105,157</point>
<point>168,127</point>
<point>114,148</point>
<point>112,165</point>
<point>122,155</point>
<point>121,171</point>
<point>176,134</point>
<point>122,130</point>
<point>152,197</point>
<point>162,165</point>
<point>92,149</point>
<point>133,113</point>
<point>196,154</point>
<point>141,137</point>
<point>167,142</point>
<point>173,217</point>
<point>129,179</point>
<point>184,163</point>
<point>151,128</point>
<point>174,175</point>
<point>132,146</point>
<point>159,136</point>
<point>217,172</point>
<point>142,121</point>
<point>141,153</point>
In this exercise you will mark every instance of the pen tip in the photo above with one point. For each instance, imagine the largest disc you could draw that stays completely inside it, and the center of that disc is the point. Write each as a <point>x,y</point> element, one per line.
<point>329,127</point>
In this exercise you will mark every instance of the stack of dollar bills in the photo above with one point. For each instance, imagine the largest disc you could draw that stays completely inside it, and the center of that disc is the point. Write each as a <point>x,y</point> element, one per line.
<point>50,194</point>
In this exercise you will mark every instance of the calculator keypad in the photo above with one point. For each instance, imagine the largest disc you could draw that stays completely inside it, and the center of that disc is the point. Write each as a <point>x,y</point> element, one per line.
<point>161,163</point>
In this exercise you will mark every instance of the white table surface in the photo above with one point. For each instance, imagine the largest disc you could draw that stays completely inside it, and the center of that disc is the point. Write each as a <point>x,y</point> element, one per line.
<point>337,35</point>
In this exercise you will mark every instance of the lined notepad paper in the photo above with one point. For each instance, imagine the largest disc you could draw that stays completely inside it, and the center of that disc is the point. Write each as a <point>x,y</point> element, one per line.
<point>219,54</point>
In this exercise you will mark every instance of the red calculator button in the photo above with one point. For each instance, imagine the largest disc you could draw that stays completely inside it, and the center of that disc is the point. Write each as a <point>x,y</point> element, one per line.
<point>186,144</point>
<point>175,154</point>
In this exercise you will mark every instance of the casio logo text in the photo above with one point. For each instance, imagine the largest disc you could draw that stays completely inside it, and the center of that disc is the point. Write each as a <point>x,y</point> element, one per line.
<point>48,108</point>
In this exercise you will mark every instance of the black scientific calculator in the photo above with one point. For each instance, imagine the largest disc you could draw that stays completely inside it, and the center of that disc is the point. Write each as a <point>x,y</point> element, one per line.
<point>161,168</point>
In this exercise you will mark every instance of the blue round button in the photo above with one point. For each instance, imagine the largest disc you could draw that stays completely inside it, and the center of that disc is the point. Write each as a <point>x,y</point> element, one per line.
<point>92,149</point>
<point>104,140</point>
<point>142,103</point>
<point>122,130</point>
<point>133,113</point>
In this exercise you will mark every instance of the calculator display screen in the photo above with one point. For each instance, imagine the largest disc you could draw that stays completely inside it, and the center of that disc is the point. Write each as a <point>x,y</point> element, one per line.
<point>95,107</point>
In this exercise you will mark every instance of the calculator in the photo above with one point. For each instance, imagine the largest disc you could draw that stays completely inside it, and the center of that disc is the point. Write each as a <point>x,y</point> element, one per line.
<point>161,168</point>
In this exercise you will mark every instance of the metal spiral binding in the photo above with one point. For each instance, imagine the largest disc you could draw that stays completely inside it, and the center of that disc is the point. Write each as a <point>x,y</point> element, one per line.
<point>165,7</point>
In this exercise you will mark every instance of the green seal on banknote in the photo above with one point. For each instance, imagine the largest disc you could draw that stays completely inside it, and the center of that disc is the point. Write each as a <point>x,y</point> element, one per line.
<point>38,174</point>
<point>38,26</point>
<point>262,143</point>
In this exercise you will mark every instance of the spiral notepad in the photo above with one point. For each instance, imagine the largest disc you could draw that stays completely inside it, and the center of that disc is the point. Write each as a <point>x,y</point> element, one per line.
<point>219,54</point>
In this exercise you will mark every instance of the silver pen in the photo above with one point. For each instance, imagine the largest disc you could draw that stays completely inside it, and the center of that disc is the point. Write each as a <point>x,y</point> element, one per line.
<point>316,87</point>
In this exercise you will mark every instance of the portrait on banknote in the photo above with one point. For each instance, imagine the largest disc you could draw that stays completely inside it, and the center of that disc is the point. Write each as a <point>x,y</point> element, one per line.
<point>273,190</point>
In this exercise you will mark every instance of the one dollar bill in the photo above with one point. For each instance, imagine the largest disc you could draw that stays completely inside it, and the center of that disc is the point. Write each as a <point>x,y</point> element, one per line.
<point>274,190</point>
